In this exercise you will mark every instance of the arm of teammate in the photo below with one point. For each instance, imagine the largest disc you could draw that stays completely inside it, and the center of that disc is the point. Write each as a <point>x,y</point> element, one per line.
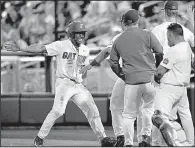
<point>161,70</point>
<point>114,62</point>
<point>99,58</point>
<point>166,64</point>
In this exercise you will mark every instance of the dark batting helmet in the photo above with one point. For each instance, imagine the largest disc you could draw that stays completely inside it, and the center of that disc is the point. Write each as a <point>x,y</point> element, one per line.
<point>74,27</point>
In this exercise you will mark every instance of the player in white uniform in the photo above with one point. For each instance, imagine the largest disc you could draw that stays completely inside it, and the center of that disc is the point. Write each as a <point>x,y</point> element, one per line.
<point>160,31</point>
<point>173,75</point>
<point>70,55</point>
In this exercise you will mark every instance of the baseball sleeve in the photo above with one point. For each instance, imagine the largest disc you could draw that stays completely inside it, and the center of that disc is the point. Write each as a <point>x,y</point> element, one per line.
<point>53,49</point>
<point>169,59</point>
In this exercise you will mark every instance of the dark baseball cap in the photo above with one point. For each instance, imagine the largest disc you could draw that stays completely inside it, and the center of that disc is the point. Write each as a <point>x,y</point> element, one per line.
<point>131,15</point>
<point>171,5</point>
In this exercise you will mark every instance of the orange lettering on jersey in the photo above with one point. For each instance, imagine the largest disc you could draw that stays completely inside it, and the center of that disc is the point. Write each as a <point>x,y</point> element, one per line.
<point>69,55</point>
<point>81,59</point>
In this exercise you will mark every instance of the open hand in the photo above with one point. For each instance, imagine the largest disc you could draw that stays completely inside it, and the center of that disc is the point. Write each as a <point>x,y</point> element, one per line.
<point>190,13</point>
<point>85,69</point>
<point>11,46</point>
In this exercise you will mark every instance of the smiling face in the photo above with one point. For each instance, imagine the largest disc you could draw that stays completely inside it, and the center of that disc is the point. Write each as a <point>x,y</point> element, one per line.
<point>79,37</point>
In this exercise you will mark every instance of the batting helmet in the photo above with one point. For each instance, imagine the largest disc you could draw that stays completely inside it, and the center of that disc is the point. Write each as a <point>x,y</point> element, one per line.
<point>76,26</point>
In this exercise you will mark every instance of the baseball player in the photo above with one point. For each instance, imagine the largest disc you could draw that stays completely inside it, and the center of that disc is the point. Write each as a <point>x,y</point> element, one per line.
<point>116,100</point>
<point>71,55</point>
<point>173,75</point>
<point>171,11</point>
<point>134,47</point>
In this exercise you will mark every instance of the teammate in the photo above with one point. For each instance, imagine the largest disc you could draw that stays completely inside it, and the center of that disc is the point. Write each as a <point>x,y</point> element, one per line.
<point>173,75</point>
<point>71,55</point>
<point>171,12</point>
<point>134,47</point>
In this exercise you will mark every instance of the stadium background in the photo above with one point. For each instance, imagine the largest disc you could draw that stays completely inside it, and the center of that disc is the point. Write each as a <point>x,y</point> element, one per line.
<point>27,81</point>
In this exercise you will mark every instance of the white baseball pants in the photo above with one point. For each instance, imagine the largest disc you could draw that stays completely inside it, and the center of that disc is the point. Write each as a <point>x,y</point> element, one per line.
<point>167,97</point>
<point>134,95</point>
<point>117,106</point>
<point>66,90</point>
<point>182,107</point>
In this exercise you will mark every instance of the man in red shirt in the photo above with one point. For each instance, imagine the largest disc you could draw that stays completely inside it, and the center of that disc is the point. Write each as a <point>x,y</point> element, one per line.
<point>135,46</point>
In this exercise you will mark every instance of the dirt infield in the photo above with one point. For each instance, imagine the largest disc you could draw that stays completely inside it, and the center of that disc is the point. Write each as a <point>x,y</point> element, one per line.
<point>58,137</point>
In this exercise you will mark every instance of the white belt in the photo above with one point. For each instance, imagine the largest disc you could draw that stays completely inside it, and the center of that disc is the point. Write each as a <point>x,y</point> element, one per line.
<point>174,85</point>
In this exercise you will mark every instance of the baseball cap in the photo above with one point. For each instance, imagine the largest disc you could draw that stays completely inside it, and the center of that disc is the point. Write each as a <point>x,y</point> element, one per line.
<point>172,5</point>
<point>131,15</point>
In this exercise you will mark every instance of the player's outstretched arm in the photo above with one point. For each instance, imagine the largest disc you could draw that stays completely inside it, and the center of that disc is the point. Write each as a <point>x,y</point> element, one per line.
<point>17,46</point>
<point>98,59</point>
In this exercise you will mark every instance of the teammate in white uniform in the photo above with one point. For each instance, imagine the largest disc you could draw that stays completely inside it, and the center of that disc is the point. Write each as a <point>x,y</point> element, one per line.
<point>117,98</point>
<point>71,55</point>
<point>160,31</point>
<point>173,75</point>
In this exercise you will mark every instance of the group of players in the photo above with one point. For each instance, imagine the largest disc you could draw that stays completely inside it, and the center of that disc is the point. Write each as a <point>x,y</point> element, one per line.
<point>151,89</point>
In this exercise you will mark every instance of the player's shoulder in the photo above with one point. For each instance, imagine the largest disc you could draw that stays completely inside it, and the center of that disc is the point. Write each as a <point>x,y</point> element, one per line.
<point>60,42</point>
<point>162,26</point>
<point>116,36</point>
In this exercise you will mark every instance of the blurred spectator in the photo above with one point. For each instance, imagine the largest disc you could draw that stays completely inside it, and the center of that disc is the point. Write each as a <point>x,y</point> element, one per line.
<point>34,21</point>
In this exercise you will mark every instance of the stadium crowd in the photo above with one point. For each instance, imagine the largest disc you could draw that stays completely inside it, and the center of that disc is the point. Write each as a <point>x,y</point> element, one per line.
<point>34,21</point>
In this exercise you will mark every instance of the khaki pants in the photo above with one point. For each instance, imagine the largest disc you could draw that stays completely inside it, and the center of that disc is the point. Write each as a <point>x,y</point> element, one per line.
<point>134,95</point>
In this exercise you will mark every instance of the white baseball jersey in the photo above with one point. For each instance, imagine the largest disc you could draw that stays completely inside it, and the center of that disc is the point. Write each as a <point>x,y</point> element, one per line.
<point>68,59</point>
<point>160,32</point>
<point>178,61</point>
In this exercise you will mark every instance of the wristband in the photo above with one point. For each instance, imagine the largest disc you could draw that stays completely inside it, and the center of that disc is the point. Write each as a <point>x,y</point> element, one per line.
<point>94,62</point>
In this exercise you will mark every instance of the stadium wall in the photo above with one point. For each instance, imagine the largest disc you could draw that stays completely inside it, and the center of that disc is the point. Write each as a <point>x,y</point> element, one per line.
<point>31,109</point>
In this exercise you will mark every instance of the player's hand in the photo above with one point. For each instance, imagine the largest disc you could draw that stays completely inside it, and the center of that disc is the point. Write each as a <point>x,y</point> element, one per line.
<point>11,46</point>
<point>190,14</point>
<point>154,83</point>
<point>85,69</point>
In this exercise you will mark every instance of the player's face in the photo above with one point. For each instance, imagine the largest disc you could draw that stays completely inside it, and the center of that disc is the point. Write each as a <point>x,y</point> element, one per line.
<point>170,38</point>
<point>79,37</point>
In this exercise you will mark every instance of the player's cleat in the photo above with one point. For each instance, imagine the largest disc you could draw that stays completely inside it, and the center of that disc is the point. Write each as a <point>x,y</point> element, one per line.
<point>108,142</point>
<point>38,141</point>
<point>145,141</point>
<point>120,141</point>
